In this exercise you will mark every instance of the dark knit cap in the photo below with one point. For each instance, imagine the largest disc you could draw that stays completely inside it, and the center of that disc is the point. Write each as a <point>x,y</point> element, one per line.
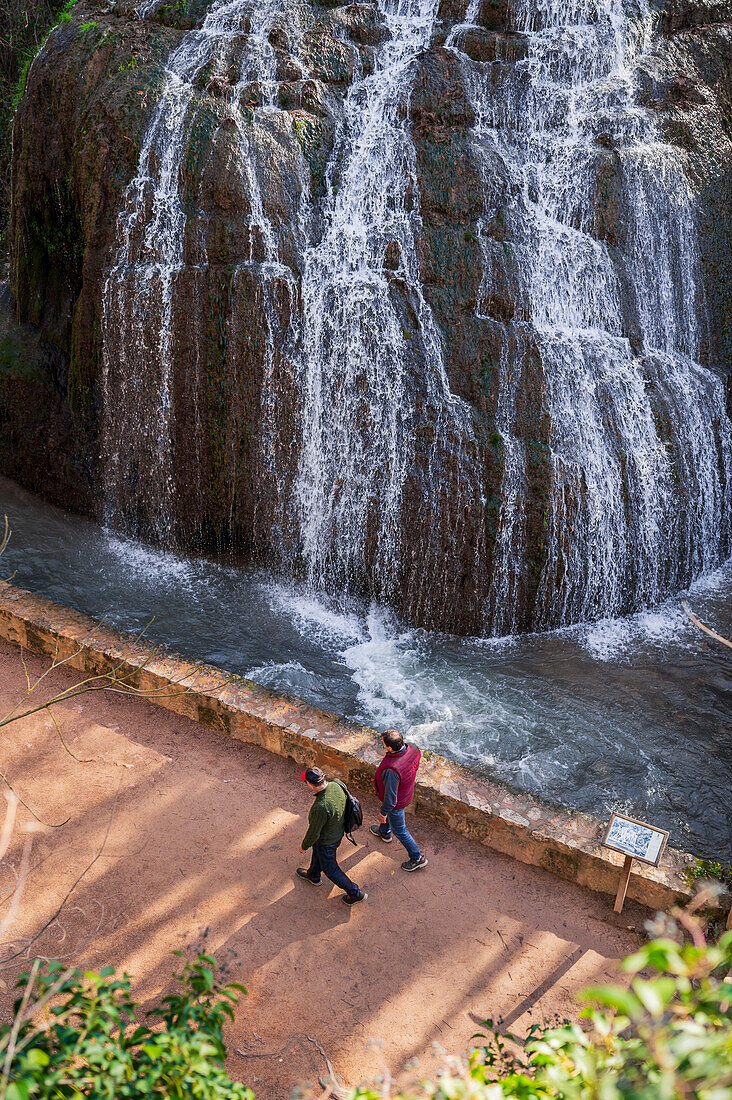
<point>314,776</point>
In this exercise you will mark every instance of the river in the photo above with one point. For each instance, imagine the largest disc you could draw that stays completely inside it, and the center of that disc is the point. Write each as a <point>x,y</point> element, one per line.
<point>630,713</point>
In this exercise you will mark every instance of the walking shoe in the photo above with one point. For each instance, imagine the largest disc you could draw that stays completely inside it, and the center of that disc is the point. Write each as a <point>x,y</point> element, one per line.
<point>414,864</point>
<point>360,896</point>
<point>377,832</point>
<point>303,874</point>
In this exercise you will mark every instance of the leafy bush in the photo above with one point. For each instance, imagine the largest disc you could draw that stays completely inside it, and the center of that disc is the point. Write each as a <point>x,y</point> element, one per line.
<point>669,1035</point>
<point>77,1035</point>
<point>710,869</point>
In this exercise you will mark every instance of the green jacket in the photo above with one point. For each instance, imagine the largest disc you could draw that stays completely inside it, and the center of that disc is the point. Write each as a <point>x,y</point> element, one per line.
<point>325,823</point>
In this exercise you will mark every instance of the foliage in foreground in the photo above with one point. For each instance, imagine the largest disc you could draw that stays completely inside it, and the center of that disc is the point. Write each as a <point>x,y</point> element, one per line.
<point>714,870</point>
<point>77,1035</point>
<point>668,1036</point>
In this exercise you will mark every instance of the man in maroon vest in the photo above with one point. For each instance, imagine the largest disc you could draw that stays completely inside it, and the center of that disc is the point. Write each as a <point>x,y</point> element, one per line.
<point>394,781</point>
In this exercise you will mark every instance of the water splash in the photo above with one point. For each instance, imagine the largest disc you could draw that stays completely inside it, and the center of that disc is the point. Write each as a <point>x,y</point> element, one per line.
<point>372,362</point>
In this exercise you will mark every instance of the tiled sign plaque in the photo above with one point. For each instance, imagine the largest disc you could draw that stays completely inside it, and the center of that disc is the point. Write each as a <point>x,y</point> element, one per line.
<point>634,840</point>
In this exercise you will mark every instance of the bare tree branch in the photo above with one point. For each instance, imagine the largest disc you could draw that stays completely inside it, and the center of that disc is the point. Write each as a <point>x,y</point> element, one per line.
<point>702,626</point>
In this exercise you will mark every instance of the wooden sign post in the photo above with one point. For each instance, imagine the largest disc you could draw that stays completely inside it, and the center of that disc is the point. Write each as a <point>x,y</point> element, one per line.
<point>634,840</point>
<point>623,885</point>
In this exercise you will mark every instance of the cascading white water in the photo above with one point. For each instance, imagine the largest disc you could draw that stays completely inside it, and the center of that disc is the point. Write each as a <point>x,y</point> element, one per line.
<point>636,508</point>
<point>138,300</point>
<point>359,391</point>
<point>639,452</point>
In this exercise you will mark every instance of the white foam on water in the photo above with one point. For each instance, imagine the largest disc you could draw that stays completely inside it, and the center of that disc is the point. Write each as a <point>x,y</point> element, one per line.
<point>402,682</point>
<point>146,562</point>
<point>616,639</point>
<point>273,673</point>
<point>312,615</point>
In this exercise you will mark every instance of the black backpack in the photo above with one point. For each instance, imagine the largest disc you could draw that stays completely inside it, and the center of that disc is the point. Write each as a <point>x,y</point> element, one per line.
<point>353,814</point>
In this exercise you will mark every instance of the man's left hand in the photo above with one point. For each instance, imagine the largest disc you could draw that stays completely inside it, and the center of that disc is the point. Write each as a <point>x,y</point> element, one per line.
<point>382,819</point>
<point>302,850</point>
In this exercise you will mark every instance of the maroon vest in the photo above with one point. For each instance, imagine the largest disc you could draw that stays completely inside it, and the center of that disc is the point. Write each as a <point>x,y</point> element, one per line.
<point>405,764</point>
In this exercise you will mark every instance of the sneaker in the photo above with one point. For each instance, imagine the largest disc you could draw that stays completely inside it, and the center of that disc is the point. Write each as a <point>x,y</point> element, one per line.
<point>303,874</point>
<point>415,864</point>
<point>377,832</point>
<point>360,896</point>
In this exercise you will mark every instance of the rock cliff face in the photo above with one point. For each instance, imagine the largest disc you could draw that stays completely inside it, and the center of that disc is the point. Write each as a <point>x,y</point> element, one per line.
<point>158,372</point>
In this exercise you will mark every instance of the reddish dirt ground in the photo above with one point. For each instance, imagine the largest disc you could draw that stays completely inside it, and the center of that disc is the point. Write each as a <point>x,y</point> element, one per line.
<point>202,837</point>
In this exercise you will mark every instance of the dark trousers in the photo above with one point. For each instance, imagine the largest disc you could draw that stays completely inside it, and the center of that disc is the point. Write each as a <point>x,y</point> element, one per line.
<point>324,860</point>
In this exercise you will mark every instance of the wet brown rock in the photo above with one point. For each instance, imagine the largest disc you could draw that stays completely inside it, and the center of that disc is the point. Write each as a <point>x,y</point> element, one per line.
<point>289,69</point>
<point>494,15</point>
<point>452,11</point>
<point>439,104</point>
<point>392,256</point>
<point>608,225</point>
<point>693,98</point>
<point>481,45</point>
<point>328,58</point>
<point>363,23</point>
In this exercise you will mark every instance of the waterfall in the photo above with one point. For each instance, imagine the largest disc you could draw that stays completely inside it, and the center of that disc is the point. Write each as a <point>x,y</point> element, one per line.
<point>155,244</point>
<point>378,476</point>
<point>641,458</point>
<point>372,352</point>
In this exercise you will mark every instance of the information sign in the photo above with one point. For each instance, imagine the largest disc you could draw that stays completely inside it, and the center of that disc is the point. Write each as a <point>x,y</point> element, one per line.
<point>636,839</point>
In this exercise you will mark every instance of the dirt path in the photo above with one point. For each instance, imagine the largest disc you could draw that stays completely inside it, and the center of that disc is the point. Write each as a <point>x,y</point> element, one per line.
<point>201,851</point>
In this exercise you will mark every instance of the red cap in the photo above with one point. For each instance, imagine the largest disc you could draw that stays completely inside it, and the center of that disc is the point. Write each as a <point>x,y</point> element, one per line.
<point>302,775</point>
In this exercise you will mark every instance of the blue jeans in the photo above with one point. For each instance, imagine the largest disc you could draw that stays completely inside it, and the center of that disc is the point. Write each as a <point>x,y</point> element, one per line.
<point>396,824</point>
<point>324,860</point>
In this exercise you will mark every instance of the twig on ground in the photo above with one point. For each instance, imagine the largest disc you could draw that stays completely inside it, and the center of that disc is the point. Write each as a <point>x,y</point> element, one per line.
<point>9,959</point>
<point>13,1036</point>
<point>32,812</point>
<point>118,680</point>
<point>295,1040</point>
<point>73,756</point>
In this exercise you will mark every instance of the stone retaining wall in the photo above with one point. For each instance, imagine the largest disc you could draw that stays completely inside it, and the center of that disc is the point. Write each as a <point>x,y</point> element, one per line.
<point>559,840</point>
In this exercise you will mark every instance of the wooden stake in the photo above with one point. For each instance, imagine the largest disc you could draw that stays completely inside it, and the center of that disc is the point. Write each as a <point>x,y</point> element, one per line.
<point>623,885</point>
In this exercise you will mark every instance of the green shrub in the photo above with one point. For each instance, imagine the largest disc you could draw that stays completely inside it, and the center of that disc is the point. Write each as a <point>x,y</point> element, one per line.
<point>710,869</point>
<point>92,1045</point>
<point>65,13</point>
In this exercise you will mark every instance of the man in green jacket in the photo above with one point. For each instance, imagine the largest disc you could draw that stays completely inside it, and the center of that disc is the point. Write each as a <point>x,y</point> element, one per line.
<point>325,832</point>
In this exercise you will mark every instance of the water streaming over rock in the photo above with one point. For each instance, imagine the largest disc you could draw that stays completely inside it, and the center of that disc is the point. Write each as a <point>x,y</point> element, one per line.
<point>641,462</point>
<point>372,369</point>
<point>377,470</point>
<point>158,242</point>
